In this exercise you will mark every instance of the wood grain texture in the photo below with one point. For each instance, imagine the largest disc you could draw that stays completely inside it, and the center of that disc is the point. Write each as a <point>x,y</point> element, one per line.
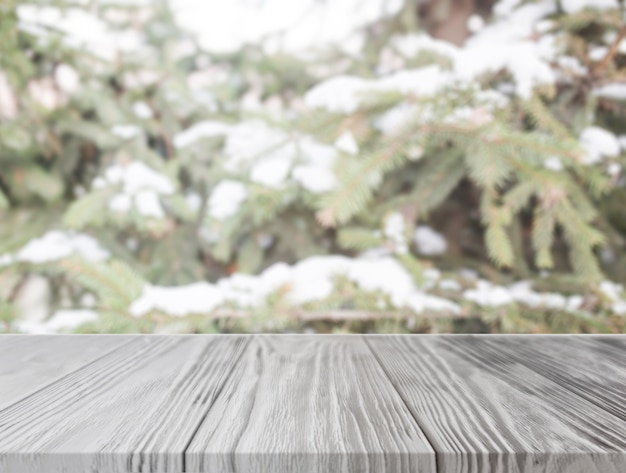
<point>29,363</point>
<point>309,404</point>
<point>485,411</point>
<point>133,410</point>
<point>304,404</point>
<point>585,366</point>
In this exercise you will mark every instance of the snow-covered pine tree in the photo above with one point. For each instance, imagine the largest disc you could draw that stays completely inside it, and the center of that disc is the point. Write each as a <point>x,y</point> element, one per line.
<point>383,180</point>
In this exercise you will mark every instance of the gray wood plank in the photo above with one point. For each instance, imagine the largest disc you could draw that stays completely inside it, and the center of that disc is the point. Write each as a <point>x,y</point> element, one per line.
<point>29,363</point>
<point>133,410</point>
<point>582,365</point>
<point>309,404</point>
<point>485,412</point>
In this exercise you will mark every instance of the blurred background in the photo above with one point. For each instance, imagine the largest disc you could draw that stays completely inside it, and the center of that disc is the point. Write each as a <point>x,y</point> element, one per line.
<point>316,166</point>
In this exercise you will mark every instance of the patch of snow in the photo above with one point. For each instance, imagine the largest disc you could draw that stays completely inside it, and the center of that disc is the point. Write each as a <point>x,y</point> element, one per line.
<point>395,231</point>
<point>428,241</point>
<point>126,132</point>
<point>615,91</point>
<point>280,25</point>
<point>67,78</point>
<point>412,44</point>
<point>347,143</point>
<point>397,118</point>
<point>82,29</point>
<point>148,204</point>
<point>614,169</point>
<point>575,6</point>
<point>197,298</point>
<point>522,292</point>
<point>271,171</point>
<point>45,93</point>
<point>121,203</point>
<point>597,143</point>
<point>57,244</point>
<point>572,65</point>
<point>421,302</point>
<point>226,198</point>
<point>194,201</point>
<point>6,260</point>
<point>475,23</point>
<point>449,285</point>
<point>140,184</point>
<point>254,139</point>
<point>315,179</point>
<point>309,280</point>
<point>553,163</point>
<point>615,293</point>
<point>339,94</point>
<point>137,176</point>
<point>61,320</point>
<point>200,130</point>
<point>142,110</point>
<point>598,53</point>
<point>487,294</point>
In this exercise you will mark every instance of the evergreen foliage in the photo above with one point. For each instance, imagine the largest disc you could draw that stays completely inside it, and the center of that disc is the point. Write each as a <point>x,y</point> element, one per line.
<point>170,166</point>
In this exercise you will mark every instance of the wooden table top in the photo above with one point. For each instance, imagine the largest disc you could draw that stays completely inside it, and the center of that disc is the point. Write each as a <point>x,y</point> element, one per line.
<point>314,404</point>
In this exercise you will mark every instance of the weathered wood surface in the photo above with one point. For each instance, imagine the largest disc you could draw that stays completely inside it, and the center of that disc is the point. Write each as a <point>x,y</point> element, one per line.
<point>292,403</point>
<point>309,404</point>
<point>487,408</point>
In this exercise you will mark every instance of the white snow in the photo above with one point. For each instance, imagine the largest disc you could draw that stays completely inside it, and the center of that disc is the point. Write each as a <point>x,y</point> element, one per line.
<point>597,143</point>
<point>271,171</point>
<point>614,169</point>
<point>615,91</point>
<point>137,176</point>
<point>315,179</point>
<point>616,295</point>
<point>126,132</point>
<point>346,143</point>
<point>575,6</point>
<point>572,66</point>
<point>67,78</point>
<point>279,24</point>
<point>449,285</point>
<point>142,110</point>
<point>428,241</point>
<point>397,118</point>
<point>197,298</point>
<point>491,295</point>
<point>140,184</point>
<point>597,53</point>
<point>148,204</point>
<point>309,280</point>
<point>339,94</point>
<point>82,29</point>
<point>56,244</point>
<point>553,163</point>
<point>345,94</point>
<point>504,45</point>
<point>394,230</point>
<point>200,130</point>
<point>475,23</point>
<point>121,203</point>
<point>226,198</point>
<point>61,320</point>
<point>487,294</point>
<point>622,141</point>
<point>194,201</point>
